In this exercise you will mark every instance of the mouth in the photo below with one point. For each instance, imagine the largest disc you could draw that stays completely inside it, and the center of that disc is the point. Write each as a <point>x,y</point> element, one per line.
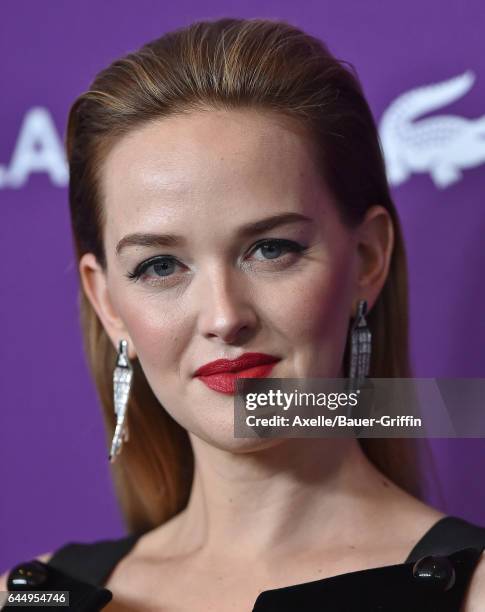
<point>221,375</point>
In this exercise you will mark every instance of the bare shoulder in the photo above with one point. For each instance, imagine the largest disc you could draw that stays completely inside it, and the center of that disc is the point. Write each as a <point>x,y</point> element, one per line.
<point>476,591</point>
<point>3,578</point>
<point>406,519</point>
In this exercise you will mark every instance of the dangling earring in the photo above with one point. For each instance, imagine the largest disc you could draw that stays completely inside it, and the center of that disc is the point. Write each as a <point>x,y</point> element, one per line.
<point>360,347</point>
<point>122,377</point>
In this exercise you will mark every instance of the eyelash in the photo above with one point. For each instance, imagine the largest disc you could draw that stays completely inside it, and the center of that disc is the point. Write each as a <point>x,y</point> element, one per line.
<point>141,268</point>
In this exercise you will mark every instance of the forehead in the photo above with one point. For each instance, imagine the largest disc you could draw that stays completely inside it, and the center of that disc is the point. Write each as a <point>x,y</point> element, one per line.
<point>211,162</point>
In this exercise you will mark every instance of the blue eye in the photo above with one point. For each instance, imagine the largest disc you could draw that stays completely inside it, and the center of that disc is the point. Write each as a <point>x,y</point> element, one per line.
<point>164,265</point>
<point>274,247</point>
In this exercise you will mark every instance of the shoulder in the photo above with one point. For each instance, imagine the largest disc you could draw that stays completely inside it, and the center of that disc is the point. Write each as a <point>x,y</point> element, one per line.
<point>456,534</point>
<point>4,577</point>
<point>476,591</point>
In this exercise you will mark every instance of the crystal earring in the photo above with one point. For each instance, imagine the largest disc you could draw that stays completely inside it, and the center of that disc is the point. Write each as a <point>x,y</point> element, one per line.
<point>360,347</point>
<point>122,378</point>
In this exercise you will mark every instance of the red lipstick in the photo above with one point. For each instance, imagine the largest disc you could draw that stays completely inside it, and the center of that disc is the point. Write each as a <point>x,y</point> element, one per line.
<point>221,375</point>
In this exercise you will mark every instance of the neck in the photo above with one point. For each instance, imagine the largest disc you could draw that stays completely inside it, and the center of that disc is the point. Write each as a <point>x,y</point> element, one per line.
<point>280,497</point>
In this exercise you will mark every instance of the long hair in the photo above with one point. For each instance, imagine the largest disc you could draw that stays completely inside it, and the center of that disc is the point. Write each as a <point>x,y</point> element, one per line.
<point>229,64</point>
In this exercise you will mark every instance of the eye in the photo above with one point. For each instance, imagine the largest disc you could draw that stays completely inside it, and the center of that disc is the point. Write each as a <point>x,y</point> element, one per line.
<point>163,266</point>
<point>272,248</point>
<point>161,269</point>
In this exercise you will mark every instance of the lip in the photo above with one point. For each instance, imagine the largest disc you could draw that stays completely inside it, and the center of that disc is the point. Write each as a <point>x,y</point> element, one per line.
<point>225,382</point>
<point>221,375</point>
<point>243,362</point>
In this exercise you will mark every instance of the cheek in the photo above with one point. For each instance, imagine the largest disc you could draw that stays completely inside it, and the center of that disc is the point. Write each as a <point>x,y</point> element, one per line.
<point>153,329</point>
<point>319,304</point>
<point>315,317</point>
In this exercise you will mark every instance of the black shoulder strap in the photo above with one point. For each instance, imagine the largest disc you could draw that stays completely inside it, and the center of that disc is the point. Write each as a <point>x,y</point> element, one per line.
<point>448,535</point>
<point>92,562</point>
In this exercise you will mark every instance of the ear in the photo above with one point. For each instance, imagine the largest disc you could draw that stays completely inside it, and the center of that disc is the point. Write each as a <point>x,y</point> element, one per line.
<point>375,237</point>
<point>94,282</point>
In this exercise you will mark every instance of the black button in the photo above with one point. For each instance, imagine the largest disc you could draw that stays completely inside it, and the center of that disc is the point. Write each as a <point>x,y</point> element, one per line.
<point>435,572</point>
<point>27,575</point>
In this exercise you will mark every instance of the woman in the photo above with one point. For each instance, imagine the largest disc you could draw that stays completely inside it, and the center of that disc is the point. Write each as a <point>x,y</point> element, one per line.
<point>229,202</point>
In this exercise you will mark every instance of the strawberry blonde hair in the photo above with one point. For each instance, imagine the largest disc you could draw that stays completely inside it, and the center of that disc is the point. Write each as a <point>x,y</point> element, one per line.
<point>229,64</point>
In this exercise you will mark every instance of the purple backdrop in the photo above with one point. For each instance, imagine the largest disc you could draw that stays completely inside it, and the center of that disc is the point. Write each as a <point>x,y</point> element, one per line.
<point>54,470</point>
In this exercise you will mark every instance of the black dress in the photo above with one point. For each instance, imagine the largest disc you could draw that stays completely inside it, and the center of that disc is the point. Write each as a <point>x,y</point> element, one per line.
<point>433,578</point>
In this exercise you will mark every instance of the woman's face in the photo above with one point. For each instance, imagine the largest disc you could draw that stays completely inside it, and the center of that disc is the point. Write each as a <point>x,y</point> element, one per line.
<point>217,291</point>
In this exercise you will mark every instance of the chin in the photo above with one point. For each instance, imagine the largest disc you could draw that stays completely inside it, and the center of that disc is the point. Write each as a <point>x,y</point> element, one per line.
<point>210,418</point>
<point>221,436</point>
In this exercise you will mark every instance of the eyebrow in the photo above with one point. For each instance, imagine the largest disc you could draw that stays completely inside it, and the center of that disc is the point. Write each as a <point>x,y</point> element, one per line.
<point>245,231</point>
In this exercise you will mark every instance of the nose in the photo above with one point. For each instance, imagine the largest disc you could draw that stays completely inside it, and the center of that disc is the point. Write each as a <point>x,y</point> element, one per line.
<point>226,311</point>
